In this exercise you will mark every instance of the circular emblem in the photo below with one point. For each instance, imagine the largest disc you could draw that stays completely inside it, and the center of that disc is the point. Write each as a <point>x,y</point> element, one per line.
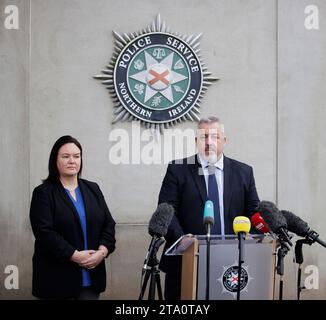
<point>158,77</point>
<point>230,279</point>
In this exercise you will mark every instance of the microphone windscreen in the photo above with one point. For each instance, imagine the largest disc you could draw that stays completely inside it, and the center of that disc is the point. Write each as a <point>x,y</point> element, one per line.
<point>295,224</point>
<point>259,223</point>
<point>209,213</point>
<point>272,216</point>
<point>160,220</point>
<point>241,224</point>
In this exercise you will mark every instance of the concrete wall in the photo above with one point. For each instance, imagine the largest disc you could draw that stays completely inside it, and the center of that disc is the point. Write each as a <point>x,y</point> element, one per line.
<point>269,96</point>
<point>15,236</point>
<point>301,136</point>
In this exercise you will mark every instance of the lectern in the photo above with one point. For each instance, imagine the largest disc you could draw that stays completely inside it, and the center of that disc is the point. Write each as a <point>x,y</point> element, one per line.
<point>257,276</point>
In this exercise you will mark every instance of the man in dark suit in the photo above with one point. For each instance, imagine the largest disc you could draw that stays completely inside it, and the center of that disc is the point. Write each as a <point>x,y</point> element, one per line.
<point>189,182</point>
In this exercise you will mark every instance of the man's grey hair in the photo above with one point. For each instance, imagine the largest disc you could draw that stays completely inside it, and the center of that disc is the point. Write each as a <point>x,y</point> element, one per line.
<point>210,120</point>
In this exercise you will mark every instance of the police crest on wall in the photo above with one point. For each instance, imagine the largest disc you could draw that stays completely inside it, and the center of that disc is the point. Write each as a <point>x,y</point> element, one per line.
<point>156,76</point>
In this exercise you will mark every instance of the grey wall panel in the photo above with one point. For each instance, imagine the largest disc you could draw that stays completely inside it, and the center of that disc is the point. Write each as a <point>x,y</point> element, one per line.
<point>125,265</point>
<point>15,237</point>
<point>301,137</point>
<point>72,42</point>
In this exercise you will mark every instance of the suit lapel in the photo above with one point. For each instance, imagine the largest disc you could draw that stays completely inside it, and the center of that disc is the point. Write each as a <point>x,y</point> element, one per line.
<point>227,184</point>
<point>195,169</point>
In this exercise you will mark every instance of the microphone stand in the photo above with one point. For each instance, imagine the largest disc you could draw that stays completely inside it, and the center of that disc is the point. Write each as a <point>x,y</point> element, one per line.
<point>281,253</point>
<point>241,237</point>
<point>152,272</point>
<point>208,259</point>
<point>299,260</point>
<point>311,237</point>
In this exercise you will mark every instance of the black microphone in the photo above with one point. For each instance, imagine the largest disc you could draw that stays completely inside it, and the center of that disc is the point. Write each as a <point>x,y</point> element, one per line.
<point>158,228</point>
<point>275,220</point>
<point>160,220</point>
<point>301,228</point>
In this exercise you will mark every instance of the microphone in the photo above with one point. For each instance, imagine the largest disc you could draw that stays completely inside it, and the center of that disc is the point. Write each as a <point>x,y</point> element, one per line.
<point>301,228</point>
<point>259,223</point>
<point>275,220</point>
<point>241,224</point>
<point>241,227</point>
<point>160,220</point>
<point>158,228</point>
<point>208,223</point>
<point>208,216</point>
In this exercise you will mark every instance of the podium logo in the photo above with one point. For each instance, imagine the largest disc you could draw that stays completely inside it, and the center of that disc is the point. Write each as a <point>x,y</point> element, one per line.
<point>229,279</point>
<point>156,77</point>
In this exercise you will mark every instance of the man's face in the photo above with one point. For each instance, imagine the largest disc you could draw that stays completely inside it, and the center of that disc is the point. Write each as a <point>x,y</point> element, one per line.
<point>210,141</point>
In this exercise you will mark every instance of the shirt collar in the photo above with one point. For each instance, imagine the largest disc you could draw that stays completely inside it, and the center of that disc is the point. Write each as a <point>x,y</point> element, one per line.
<point>218,164</point>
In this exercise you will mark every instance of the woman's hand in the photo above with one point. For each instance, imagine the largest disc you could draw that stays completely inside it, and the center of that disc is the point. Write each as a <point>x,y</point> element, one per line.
<point>80,256</point>
<point>93,260</point>
<point>89,259</point>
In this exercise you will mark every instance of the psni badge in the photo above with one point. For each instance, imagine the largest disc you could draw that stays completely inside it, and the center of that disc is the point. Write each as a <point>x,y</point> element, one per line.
<point>229,279</point>
<point>156,76</point>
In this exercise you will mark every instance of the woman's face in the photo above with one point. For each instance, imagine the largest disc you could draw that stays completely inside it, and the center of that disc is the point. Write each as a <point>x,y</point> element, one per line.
<point>68,160</point>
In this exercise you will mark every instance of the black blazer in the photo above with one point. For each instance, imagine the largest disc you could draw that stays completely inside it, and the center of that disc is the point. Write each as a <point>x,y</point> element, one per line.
<point>185,189</point>
<point>58,233</point>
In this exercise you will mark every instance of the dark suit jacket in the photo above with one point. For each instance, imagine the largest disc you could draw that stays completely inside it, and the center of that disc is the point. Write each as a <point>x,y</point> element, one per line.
<point>58,233</point>
<point>185,189</point>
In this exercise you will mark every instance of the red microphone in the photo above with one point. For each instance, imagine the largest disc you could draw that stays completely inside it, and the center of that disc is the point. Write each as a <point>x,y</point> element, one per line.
<point>259,223</point>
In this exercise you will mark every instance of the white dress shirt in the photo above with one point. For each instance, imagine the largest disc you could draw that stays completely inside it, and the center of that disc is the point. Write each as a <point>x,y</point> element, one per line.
<point>219,174</point>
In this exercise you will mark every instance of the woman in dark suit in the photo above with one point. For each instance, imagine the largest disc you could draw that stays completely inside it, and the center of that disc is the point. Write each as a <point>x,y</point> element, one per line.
<point>73,228</point>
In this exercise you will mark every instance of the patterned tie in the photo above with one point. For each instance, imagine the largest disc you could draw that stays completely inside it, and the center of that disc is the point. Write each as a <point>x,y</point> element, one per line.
<point>213,196</point>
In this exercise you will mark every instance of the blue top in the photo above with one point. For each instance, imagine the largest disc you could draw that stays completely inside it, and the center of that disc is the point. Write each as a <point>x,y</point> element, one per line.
<point>80,207</point>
